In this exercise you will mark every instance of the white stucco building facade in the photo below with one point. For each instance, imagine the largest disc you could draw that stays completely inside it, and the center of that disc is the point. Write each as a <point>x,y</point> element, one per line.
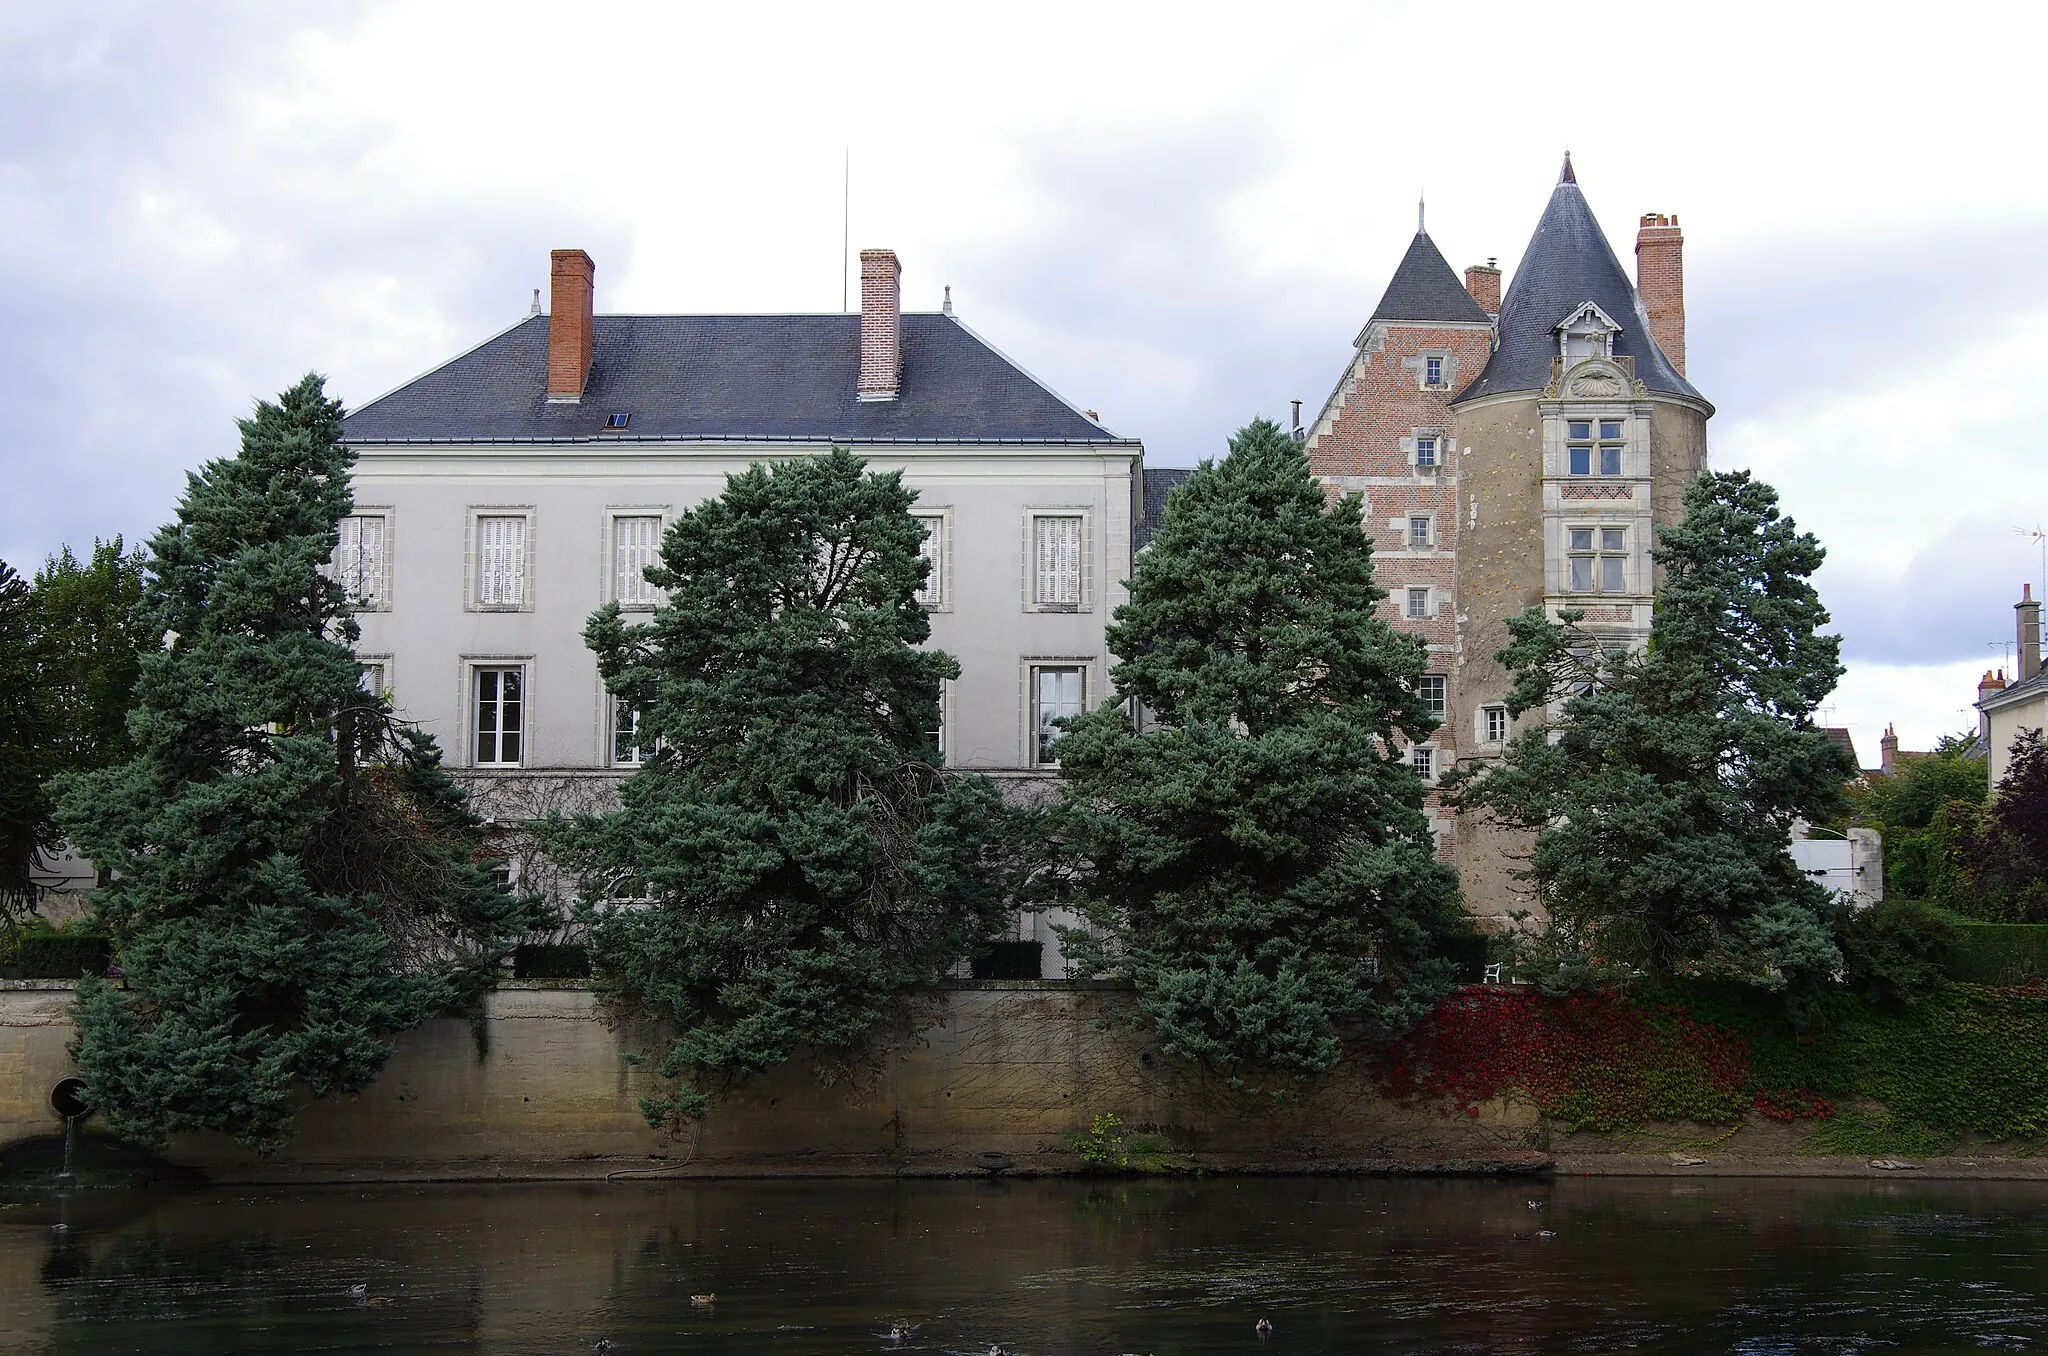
<point>505,495</point>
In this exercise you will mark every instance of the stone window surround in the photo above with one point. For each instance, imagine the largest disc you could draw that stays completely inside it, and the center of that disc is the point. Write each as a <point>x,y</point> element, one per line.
<point>470,664</point>
<point>472,556</point>
<point>380,661</point>
<point>608,584</point>
<point>389,514</point>
<point>1481,724</point>
<point>1030,557</point>
<point>1027,688</point>
<point>941,516</point>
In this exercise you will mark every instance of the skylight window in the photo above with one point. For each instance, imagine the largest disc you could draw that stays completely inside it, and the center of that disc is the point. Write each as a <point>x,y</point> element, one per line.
<point>616,420</point>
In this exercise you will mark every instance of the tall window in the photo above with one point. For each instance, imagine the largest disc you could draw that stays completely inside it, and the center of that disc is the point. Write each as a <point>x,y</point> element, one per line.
<point>359,558</point>
<point>500,560</point>
<point>1423,761</point>
<point>635,542</point>
<point>374,678</point>
<point>500,715</point>
<point>1433,370</point>
<point>1056,554</point>
<point>626,751</point>
<point>1430,687</point>
<point>1418,602</point>
<point>1598,560</point>
<point>932,548</point>
<point>1057,694</point>
<point>1425,451</point>
<point>1493,724</point>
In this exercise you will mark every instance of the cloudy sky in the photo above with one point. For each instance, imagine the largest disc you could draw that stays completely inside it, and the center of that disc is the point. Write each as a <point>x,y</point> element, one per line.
<point>1176,217</point>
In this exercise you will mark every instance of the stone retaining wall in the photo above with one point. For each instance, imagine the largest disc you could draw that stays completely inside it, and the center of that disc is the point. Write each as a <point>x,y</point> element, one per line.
<point>1010,1068</point>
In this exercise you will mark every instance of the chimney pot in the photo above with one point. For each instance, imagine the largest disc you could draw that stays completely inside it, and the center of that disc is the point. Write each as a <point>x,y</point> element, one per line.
<point>881,325</point>
<point>1483,282</point>
<point>1660,278</point>
<point>572,295</point>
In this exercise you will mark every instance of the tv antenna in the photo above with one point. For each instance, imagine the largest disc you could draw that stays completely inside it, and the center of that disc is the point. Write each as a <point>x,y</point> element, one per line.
<point>2004,647</point>
<point>845,225</point>
<point>2040,539</point>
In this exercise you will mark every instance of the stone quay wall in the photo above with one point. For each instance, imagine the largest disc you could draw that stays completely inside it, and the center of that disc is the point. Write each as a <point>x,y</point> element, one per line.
<point>544,1088</point>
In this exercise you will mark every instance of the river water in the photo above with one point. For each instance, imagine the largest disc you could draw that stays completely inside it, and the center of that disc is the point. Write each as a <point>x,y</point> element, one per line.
<point>1578,1265</point>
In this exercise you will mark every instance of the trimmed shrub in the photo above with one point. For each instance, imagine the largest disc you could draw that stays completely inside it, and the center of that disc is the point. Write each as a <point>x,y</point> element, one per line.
<point>61,956</point>
<point>1900,951</point>
<point>1010,960</point>
<point>2000,953</point>
<point>553,961</point>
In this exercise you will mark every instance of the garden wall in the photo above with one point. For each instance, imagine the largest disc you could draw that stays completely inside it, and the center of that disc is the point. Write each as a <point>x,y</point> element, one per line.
<point>543,1088</point>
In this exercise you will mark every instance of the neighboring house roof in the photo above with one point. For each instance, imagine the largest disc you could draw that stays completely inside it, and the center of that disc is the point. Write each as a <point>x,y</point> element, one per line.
<point>2014,694</point>
<point>1840,734</point>
<point>1568,263</point>
<point>1425,288</point>
<point>719,377</point>
<point>1159,483</point>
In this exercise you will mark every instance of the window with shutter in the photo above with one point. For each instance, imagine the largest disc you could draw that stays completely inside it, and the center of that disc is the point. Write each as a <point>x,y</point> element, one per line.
<point>500,561</point>
<point>932,548</point>
<point>359,559</point>
<point>635,541</point>
<point>1058,551</point>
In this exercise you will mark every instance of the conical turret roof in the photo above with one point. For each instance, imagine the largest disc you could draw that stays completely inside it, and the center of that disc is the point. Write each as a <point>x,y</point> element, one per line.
<point>1424,288</point>
<point>1569,263</point>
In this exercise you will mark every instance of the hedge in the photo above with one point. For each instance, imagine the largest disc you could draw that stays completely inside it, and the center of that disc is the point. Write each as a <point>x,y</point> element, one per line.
<point>1999,953</point>
<point>556,961</point>
<point>1010,960</point>
<point>61,956</point>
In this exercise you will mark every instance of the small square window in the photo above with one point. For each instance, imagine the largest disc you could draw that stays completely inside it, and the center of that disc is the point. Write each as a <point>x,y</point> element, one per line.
<point>1430,687</point>
<point>1423,761</point>
<point>1579,431</point>
<point>1582,461</point>
<point>1493,722</point>
<point>1610,461</point>
<point>1418,530</point>
<point>1582,539</point>
<point>1425,451</point>
<point>1418,602</point>
<point>1610,430</point>
<point>1611,538</point>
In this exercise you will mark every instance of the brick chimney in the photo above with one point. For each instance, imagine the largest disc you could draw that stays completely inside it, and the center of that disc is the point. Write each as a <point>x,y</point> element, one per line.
<point>2028,611</point>
<point>881,325</point>
<point>1483,282</point>
<point>572,296</point>
<point>1888,752</point>
<point>1660,277</point>
<point>1989,686</point>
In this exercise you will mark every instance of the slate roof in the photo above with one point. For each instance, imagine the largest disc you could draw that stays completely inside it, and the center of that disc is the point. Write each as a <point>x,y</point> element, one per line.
<point>1567,264</point>
<point>1425,288</point>
<point>717,377</point>
<point>1159,482</point>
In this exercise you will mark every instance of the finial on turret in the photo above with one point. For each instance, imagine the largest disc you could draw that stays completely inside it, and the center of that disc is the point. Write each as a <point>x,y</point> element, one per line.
<point>1419,199</point>
<point>1565,176</point>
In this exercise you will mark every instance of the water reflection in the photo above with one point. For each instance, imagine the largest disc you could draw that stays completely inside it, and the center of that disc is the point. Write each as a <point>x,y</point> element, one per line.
<point>1041,1267</point>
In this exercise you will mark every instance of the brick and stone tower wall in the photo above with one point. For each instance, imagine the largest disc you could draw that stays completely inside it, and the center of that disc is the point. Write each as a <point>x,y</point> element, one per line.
<point>1387,433</point>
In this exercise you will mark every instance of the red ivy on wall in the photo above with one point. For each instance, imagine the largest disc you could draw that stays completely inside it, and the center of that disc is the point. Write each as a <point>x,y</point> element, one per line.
<point>1591,1062</point>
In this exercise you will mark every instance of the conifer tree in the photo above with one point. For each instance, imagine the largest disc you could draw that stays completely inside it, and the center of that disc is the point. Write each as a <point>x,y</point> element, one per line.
<point>789,869</point>
<point>295,878</point>
<point>2005,852</point>
<point>1257,862</point>
<point>1663,792</point>
<point>24,810</point>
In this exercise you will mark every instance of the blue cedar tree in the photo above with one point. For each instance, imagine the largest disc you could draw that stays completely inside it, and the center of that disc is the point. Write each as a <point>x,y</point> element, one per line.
<point>295,878</point>
<point>1257,861</point>
<point>1663,790</point>
<point>788,869</point>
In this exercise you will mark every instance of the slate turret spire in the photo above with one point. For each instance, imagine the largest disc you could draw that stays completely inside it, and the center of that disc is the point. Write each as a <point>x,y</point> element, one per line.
<point>1565,175</point>
<point>1425,289</point>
